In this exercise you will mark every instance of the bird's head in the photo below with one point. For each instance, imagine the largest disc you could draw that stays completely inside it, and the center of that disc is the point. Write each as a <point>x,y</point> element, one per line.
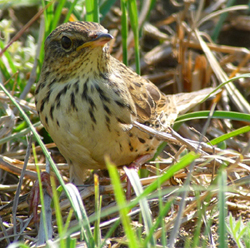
<point>73,38</point>
<point>76,46</point>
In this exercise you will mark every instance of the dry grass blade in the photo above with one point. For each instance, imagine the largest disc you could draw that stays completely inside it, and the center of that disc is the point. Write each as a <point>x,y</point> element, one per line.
<point>240,102</point>
<point>219,12</point>
<point>7,122</point>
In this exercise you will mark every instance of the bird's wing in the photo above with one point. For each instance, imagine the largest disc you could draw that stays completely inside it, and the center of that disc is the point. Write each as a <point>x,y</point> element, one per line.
<point>145,94</point>
<point>153,106</point>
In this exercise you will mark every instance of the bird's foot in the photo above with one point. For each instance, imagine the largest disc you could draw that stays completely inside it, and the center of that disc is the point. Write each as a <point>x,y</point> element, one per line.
<point>34,197</point>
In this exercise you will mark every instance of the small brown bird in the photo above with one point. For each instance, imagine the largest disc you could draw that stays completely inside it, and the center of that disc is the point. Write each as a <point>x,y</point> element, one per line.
<point>88,101</point>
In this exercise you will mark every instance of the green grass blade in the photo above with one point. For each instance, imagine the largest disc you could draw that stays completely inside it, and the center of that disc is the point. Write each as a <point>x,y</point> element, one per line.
<point>71,7</point>
<point>162,219</point>
<point>48,16</point>
<point>106,6</point>
<point>196,237</point>
<point>9,58</point>
<point>121,202</point>
<point>152,5</point>
<point>219,24</point>
<point>4,70</point>
<point>57,14</point>
<point>184,162</point>
<point>124,31</point>
<point>41,193</point>
<point>92,11</point>
<point>71,242</point>
<point>48,10</point>
<point>96,11</point>
<point>157,222</point>
<point>230,135</point>
<point>59,220</point>
<point>110,232</point>
<point>135,27</point>
<point>98,203</point>
<point>236,116</point>
<point>18,245</point>
<point>66,226</point>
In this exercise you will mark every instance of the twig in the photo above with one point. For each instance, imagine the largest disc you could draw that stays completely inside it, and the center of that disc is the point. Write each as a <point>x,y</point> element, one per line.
<point>15,203</point>
<point>48,212</point>
<point>7,166</point>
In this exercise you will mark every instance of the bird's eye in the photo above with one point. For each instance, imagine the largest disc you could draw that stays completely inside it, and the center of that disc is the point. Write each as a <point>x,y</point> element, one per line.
<point>66,42</point>
<point>94,36</point>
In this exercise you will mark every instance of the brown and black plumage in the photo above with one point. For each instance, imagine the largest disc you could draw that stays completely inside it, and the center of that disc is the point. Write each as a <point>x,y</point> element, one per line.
<point>87,100</point>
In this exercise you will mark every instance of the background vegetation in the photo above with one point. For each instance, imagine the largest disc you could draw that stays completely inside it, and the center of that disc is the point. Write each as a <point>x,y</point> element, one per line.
<point>195,193</point>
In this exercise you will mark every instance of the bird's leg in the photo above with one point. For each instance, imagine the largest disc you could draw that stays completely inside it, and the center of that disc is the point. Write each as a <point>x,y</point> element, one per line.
<point>34,197</point>
<point>103,176</point>
<point>136,165</point>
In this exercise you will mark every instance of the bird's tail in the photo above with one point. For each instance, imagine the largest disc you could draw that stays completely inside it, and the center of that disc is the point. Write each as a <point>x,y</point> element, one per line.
<point>186,101</point>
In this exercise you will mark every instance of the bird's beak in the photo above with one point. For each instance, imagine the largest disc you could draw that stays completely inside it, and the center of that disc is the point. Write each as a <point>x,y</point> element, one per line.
<point>99,40</point>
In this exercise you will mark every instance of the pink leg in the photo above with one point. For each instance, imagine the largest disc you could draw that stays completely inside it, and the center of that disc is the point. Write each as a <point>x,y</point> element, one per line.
<point>136,165</point>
